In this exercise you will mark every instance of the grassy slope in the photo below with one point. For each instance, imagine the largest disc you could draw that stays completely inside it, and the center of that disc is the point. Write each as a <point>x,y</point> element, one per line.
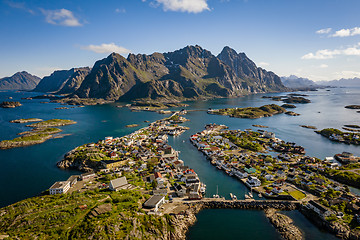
<point>59,217</point>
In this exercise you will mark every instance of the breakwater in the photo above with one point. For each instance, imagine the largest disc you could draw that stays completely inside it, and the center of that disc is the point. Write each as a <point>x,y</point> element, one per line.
<point>246,204</point>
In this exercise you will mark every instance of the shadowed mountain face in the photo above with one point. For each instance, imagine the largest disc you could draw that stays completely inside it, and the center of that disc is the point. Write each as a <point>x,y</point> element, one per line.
<point>188,73</point>
<point>256,78</point>
<point>63,81</point>
<point>19,81</point>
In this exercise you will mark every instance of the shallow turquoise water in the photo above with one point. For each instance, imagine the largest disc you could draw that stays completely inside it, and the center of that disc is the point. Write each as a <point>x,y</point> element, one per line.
<point>25,172</point>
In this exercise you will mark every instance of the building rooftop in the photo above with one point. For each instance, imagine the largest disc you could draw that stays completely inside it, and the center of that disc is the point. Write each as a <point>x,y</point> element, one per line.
<point>59,185</point>
<point>151,202</point>
<point>119,182</point>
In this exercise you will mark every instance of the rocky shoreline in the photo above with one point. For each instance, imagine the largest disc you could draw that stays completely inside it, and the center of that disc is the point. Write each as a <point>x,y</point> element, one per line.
<point>26,120</point>
<point>341,231</point>
<point>183,222</point>
<point>283,224</point>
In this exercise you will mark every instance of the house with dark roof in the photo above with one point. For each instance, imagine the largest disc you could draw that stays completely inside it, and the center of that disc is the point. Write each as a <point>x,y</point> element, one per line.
<point>180,190</point>
<point>154,202</point>
<point>321,210</point>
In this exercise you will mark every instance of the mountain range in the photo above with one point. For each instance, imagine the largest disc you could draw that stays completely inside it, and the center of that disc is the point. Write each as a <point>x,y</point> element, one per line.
<point>63,81</point>
<point>189,73</point>
<point>298,82</point>
<point>348,82</point>
<point>19,81</point>
<point>302,83</point>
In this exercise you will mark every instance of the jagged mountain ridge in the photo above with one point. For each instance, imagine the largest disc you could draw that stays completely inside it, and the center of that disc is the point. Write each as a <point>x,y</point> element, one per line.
<point>19,81</point>
<point>188,73</point>
<point>257,79</point>
<point>63,81</point>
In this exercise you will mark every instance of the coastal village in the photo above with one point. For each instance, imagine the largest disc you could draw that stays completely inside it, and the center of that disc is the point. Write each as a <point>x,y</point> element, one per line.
<point>141,160</point>
<point>277,174</point>
<point>270,168</point>
<point>288,176</point>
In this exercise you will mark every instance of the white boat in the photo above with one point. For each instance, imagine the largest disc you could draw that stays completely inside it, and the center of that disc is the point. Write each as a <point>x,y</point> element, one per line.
<point>202,188</point>
<point>231,196</point>
<point>250,193</point>
<point>234,197</point>
<point>247,196</point>
<point>217,192</point>
<point>260,195</point>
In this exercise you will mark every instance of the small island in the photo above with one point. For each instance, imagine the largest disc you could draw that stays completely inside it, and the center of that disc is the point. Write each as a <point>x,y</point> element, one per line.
<point>41,132</point>
<point>132,125</point>
<point>290,98</point>
<point>353,106</point>
<point>293,99</point>
<point>290,113</point>
<point>286,105</point>
<point>339,136</point>
<point>351,128</point>
<point>308,126</point>
<point>26,120</point>
<point>51,123</point>
<point>10,104</point>
<point>259,126</point>
<point>250,112</point>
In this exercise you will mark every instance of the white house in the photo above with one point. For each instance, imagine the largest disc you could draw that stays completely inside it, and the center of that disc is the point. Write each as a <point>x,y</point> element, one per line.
<point>253,181</point>
<point>60,187</point>
<point>154,202</point>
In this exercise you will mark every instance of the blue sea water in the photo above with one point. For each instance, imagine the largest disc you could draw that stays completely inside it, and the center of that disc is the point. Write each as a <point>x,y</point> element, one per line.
<point>25,172</point>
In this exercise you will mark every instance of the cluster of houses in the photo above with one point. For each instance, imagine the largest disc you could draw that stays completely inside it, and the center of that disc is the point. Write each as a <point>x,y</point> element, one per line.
<point>350,138</point>
<point>147,153</point>
<point>273,176</point>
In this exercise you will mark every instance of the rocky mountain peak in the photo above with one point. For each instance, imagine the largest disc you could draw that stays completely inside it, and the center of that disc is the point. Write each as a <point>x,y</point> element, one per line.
<point>19,81</point>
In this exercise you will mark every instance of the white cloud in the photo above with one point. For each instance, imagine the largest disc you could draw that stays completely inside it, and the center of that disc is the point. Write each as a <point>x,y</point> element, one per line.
<point>323,31</point>
<point>62,17</point>
<point>323,66</point>
<point>263,64</point>
<point>328,54</point>
<point>347,32</point>
<point>106,48</point>
<point>190,6</point>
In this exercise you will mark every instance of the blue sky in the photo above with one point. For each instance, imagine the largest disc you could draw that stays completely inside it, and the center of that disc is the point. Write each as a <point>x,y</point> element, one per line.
<point>318,39</point>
